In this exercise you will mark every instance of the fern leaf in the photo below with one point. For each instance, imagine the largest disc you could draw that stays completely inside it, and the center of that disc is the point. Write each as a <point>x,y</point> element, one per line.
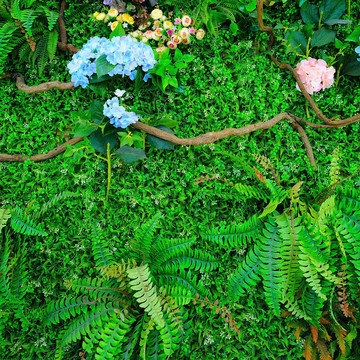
<point>237,235</point>
<point>27,18</point>
<point>270,267</point>
<point>103,257</point>
<point>246,276</point>
<point>52,44</point>
<point>145,293</point>
<point>169,336</point>
<point>5,215</point>
<point>112,336</point>
<point>64,309</point>
<point>21,223</point>
<point>144,235</point>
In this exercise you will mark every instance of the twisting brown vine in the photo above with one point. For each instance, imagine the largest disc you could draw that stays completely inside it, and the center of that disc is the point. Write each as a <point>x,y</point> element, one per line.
<point>207,138</point>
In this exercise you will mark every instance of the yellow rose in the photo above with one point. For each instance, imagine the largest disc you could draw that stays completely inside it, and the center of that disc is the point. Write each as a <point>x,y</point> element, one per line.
<point>95,14</point>
<point>167,24</point>
<point>113,13</point>
<point>128,18</point>
<point>119,18</point>
<point>114,25</point>
<point>100,17</point>
<point>156,14</point>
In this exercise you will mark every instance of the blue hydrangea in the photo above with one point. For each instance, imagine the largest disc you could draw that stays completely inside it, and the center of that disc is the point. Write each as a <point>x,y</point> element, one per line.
<point>125,52</point>
<point>358,51</point>
<point>118,115</point>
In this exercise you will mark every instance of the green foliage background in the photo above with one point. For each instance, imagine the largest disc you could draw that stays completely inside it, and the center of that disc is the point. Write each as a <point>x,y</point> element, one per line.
<point>228,85</point>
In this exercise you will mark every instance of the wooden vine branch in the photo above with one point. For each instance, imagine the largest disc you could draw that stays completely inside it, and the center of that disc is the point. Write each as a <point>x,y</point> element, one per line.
<point>41,157</point>
<point>21,85</point>
<point>207,138</point>
<point>63,44</point>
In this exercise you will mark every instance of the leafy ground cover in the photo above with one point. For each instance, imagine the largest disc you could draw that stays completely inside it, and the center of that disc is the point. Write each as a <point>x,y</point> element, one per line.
<point>230,83</point>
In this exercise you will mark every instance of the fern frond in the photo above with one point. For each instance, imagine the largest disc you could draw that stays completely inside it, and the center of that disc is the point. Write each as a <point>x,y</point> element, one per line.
<point>132,339</point>
<point>63,309</point>
<point>103,257</point>
<point>169,336</point>
<point>52,44</point>
<point>112,336</point>
<point>312,304</point>
<point>246,275</point>
<point>334,167</point>
<point>271,265</point>
<point>145,293</point>
<point>21,223</point>
<point>144,235</point>
<point>58,197</point>
<point>166,249</point>
<point>5,215</point>
<point>237,235</point>
<point>251,191</point>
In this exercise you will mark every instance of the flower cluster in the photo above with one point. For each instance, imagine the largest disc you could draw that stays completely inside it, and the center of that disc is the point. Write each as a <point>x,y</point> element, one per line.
<point>124,52</point>
<point>117,114</point>
<point>315,75</point>
<point>113,14</point>
<point>168,32</point>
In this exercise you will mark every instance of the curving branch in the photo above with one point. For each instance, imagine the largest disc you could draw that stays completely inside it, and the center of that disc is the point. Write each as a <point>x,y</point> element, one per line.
<point>41,157</point>
<point>21,85</point>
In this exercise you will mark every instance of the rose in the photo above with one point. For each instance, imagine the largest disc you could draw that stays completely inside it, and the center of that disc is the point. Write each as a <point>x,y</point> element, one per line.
<point>192,31</point>
<point>100,17</point>
<point>170,32</point>
<point>177,21</point>
<point>176,39</point>
<point>113,13</point>
<point>200,34</point>
<point>155,37</point>
<point>149,34</point>
<point>128,18</point>
<point>95,14</point>
<point>158,32</point>
<point>171,45</point>
<point>167,24</point>
<point>184,33</point>
<point>186,20</point>
<point>114,25</point>
<point>156,14</point>
<point>186,41</point>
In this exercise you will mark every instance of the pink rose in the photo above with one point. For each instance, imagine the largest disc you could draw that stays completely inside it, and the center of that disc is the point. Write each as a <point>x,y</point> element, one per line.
<point>315,75</point>
<point>171,45</point>
<point>177,21</point>
<point>170,32</point>
<point>192,31</point>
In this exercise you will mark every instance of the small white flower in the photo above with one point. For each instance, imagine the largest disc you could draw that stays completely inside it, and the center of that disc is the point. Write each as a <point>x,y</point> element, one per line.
<point>120,93</point>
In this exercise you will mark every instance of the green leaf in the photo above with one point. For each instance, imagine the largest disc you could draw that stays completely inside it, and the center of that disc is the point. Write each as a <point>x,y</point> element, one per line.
<point>168,122</point>
<point>181,65</point>
<point>95,79</point>
<point>178,54</point>
<point>118,31</point>
<point>332,9</point>
<point>351,66</point>
<point>338,44</point>
<point>296,41</point>
<point>99,141</point>
<point>103,67</point>
<point>310,14</point>
<point>96,111</point>
<point>83,128</point>
<point>173,82</point>
<point>355,35</point>
<point>129,154</point>
<point>234,28</point>
<point>322,37</point>
<point>160,143</point>
<point>188,58</point>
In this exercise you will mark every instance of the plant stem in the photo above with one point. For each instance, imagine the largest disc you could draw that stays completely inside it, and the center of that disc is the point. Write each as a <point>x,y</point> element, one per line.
<point>109,172</point>
<point>307,111</point>
<point>321,15</point>
<point>338,75</point>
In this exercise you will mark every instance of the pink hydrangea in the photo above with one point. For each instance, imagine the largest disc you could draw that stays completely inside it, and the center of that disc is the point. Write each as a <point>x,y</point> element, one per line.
<point>315,75</point>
